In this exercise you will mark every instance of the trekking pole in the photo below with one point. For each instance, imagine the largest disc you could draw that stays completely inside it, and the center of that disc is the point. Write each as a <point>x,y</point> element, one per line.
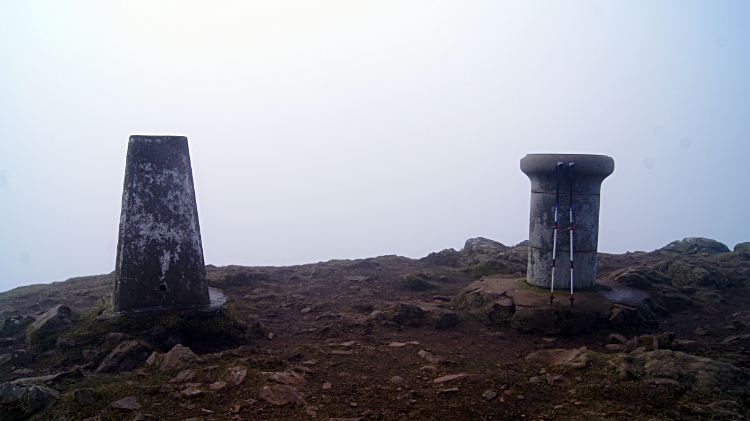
<point>558,167</point>
<point>572,225</point>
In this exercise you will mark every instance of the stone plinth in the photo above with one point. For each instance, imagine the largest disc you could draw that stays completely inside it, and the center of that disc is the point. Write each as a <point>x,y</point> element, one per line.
<point>589,172</point>
<point>159,253</point>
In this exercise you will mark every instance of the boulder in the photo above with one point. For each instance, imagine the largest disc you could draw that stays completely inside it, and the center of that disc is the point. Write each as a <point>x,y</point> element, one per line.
<point>55,319</point>
<point>125,357</point>
<point>742,248</point>
<point>442,318</point>
<point>676,371</point>
<point>19,402</point>
<point>642,278</point>
<point>692,274</point>
<point>696,245</point>
<point>408,311</point>
<point>281,394</point>
<point>447,257</point>
<point>481,245</point>
<point>178,356</point>
<point>84,397</point>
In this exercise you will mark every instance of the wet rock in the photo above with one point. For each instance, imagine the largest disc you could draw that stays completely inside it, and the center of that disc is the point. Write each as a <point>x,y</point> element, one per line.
<point>65,342</point>
<point>125,356</point>
<point>284,377</point>
<point>574,358</point>
<point>448,257</point>
<point>178,356</point>
<point>237,374</point>
<point>55,319</point>
<point>129,403</point>
<point>696,245</point>
<point>84,397</point>
<point>664,369</point>
<point>281,394</point>
<point>489,395</point>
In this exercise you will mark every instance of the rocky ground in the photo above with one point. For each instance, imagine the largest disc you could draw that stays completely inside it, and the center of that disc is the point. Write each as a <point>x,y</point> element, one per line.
<point>394,338</point>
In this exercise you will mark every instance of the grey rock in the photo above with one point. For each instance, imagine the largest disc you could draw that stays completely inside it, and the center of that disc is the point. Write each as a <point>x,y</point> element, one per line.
<point>696,245</point>
<point>448,257</point>
<point>125,356</point>
<point>84,397</point>
<point>129,403</point>
<point>442,318</point>
<point>408,311</point>
<point>489,395</point>
<point>23,402</point>
<point>574,358</point>
<point>481,245</point>
<point>282,394</point>
<point>742,247</point>
<point>178,356</point>
<point>668,370</point>
<point>55,319</point>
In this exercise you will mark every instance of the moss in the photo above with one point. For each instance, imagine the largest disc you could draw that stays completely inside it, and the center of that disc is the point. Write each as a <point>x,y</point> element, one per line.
<point>414,283</point>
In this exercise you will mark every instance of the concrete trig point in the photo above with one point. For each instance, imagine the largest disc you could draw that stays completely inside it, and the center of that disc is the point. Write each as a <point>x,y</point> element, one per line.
<point>160,263</point>
<point>590,171</point>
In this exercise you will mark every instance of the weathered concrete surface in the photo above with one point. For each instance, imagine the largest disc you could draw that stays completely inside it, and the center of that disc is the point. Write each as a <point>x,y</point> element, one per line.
<point>589,172</point>
<point>160,262</point>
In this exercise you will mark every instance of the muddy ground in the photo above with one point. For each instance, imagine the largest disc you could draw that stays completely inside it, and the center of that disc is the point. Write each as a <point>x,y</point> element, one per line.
<point>346,327</point>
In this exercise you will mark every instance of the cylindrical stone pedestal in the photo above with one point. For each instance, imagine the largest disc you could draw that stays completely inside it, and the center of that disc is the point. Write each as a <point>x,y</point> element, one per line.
<point>159,253</point>
<point>588,174</point>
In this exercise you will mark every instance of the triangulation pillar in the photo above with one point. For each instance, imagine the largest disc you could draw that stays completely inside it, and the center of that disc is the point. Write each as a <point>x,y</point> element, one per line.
<point>159,252</point>
<point>589,172</point>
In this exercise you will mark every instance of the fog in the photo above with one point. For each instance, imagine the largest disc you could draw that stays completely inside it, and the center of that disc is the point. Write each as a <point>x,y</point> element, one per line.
<point>342,129</point>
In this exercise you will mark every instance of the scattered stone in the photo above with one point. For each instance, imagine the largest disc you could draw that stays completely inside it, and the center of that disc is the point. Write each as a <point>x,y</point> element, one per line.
<point>152,359</point>
<point>340,352</point>
<point>128,403</point>
<point>558,381</point>
<point>684,343</point>
<point>84,397</point>
<point>574,358</point>
<point>451,378</point>
<point>616,338</point>
<point>141,373</point>
<point>377,315</point>
<point>326,385</point>
<point>55,319</point>
<point>237,374</point>
<point>434,359</point>
<point>430,368</point>
<point>271,335</point>
<point>520,397</point>
<point>535,379</point>
<point>489,395</point>
<point>142,417</point>
<point>443,319</point>
<point>183,376</point>
<point>700,331</point>
<point>397,379</point>
<point>22,372</point>
<point>284,377</point>
<point>306,310</point>
<point>218,385</point>
<point>177,356</point>
<point>191,392</point>
<point>96,418</point>
<point>451,390</point>
<point>281,394</point>
<point>125,357</point>
<point>312,411</point>
<point>558,407</point>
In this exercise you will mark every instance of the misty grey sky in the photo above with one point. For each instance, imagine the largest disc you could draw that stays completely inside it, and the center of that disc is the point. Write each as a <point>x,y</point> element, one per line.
<point>343,129</point>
